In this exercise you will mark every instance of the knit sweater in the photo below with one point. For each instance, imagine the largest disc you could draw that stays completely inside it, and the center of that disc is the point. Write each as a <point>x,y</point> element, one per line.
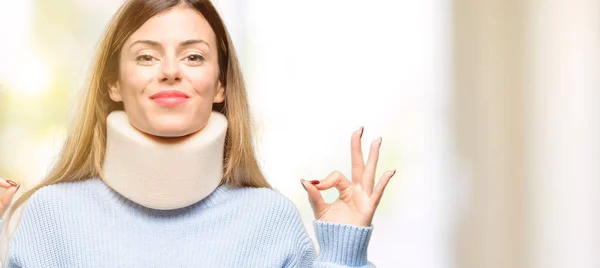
<point>87,224</point>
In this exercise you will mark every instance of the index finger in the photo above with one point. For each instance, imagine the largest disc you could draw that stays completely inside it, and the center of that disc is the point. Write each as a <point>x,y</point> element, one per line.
<point>4,183</point>
<point>6,199</point>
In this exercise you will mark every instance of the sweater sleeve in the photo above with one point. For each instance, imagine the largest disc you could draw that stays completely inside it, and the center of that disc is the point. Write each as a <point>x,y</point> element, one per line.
<point>340,246</point>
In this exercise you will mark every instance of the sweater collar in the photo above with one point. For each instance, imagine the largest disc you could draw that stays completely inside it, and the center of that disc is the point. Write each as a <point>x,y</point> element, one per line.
<point>116,201</point>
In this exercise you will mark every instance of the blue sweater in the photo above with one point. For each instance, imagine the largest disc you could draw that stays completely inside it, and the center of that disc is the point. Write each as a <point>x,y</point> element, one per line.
<point>87,224</point>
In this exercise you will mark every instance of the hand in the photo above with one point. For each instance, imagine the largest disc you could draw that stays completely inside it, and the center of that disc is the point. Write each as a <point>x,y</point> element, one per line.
<point>7,196</point>
<point>357,199</point>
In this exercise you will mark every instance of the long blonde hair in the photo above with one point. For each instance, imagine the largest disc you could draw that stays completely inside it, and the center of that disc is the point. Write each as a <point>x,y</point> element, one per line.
<point>83,151</point>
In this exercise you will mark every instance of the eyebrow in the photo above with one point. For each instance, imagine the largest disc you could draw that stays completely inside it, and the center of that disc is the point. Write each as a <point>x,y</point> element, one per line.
<point>157,44</point>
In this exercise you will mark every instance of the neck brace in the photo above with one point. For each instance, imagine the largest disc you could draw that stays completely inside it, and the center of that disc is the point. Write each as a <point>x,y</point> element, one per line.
<point>163,173</point>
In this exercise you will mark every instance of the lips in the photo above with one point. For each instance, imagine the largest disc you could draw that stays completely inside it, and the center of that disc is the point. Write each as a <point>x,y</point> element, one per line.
<point>169,94</point>
<point>169,98</point>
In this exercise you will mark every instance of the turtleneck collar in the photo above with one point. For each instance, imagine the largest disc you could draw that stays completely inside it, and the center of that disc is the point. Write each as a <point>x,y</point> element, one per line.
<point>167,174</point>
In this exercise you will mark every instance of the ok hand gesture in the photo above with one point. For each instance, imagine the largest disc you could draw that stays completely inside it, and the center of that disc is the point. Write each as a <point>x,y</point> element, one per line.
<point>357,200</point>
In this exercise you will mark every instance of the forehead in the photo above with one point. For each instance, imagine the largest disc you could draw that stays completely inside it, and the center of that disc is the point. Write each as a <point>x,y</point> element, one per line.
<point>174,25</point>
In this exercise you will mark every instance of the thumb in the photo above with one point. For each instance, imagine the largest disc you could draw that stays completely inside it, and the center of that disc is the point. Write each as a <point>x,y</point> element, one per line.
<point>315,198</point>
<point>6,199</point>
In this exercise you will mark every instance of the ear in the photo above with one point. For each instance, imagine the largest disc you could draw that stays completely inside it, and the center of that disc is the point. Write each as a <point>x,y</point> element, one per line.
<point>220,96</point>
<point>114,92</point>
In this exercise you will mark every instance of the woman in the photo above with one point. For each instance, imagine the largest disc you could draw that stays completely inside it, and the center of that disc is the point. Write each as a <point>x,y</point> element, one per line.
<point>159,170</point>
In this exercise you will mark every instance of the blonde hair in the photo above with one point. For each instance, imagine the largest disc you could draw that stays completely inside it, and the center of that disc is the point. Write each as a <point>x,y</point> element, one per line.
<point>83,151</point>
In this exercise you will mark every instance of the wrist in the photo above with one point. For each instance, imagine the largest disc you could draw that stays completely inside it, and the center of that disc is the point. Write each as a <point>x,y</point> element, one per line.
<point>342,243</point>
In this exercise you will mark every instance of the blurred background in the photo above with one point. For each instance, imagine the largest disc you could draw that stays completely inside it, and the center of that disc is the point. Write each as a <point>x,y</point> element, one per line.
<point>490,111</point>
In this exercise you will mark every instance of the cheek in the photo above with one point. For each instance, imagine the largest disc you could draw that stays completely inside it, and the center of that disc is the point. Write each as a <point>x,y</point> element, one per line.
<point>203,81</point>
<point>134,79</point>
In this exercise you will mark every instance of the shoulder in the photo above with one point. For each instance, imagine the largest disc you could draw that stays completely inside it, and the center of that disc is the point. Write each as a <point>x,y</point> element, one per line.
<point>62,192</point>
<point>46,208</point>
<point>267,203</point>
<point>51,200</point>
<point>263,197</point>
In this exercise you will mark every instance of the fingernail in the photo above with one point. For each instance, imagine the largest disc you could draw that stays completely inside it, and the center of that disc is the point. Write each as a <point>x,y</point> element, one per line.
<point>315,182</point>
<point>18,187</point>
<point>12,183</point>
<point>303,185</point>
<point>393,173</point>
<point>362,129</point>
<point>380,140</point>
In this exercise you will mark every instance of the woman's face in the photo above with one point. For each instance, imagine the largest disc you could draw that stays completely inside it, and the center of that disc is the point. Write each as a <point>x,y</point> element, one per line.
<point>168,77</point>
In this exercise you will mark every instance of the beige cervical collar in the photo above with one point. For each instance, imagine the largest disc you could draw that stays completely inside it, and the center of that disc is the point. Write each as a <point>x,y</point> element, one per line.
<point>166,174</point>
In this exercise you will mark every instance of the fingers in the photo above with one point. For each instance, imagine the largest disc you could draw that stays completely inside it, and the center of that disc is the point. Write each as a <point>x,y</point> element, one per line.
<point>7,183</point>
<point>368,176</point>
<point>378,191</point>
<point>335,179</point>
<point>358,162</point>
<point>314,197</point>
<point>7,195</point>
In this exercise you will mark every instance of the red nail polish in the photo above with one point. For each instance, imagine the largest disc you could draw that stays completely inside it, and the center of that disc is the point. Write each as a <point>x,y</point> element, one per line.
<point>362,129</point>
<point>12,183</point>
<point>393,173</point>
<point>18,187</point>
<point>315,182</point>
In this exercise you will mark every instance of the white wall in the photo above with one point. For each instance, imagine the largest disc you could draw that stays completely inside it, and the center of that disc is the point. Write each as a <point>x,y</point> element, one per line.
<point>317,70</point>
<point>564,46</point>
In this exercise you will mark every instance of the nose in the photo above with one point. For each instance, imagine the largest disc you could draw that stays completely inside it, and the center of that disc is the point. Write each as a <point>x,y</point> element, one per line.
<point>170,71</point>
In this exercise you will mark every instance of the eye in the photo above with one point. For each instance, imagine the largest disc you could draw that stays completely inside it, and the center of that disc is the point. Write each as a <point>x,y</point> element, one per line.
<point>144,58</point>
<point>195,58</point>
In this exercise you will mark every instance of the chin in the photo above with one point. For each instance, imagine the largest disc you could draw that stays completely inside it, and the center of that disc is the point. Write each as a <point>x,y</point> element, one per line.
<point>168,129</point>
<point>172,132</point>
